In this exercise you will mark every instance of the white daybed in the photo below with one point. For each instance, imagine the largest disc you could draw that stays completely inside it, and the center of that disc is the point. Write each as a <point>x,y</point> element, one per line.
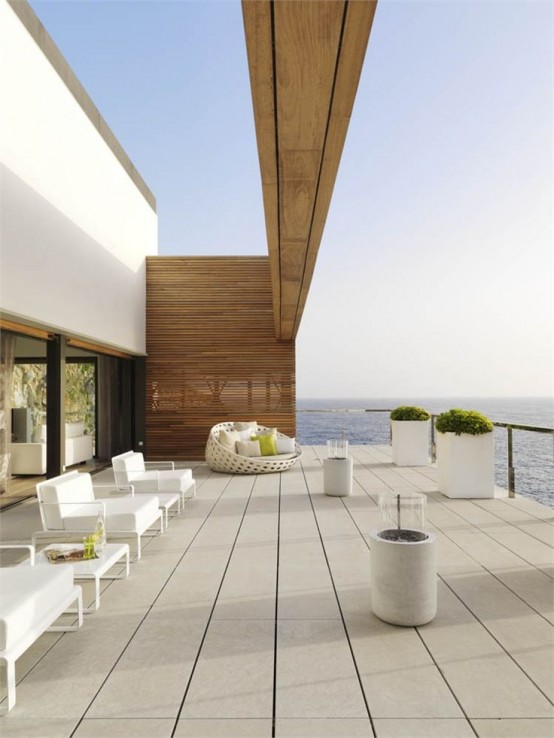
<point>219,458</point>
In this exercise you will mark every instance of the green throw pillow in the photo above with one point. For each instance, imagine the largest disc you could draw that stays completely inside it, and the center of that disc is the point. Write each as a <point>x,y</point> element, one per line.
<point>267,445</point>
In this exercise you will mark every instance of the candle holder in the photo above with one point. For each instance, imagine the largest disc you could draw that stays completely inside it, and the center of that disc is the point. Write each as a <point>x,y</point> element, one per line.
<point>402,517</point>
<point>337,448</point>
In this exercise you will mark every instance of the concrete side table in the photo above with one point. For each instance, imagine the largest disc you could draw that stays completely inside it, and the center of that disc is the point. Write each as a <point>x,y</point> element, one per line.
<point>403,580</point>
<point>337,477</point>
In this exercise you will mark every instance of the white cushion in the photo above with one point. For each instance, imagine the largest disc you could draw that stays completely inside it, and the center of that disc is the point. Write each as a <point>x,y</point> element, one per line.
<point>122,513</point>
<point>248,425</point>
<point>229,438</point>
<point>285,445</point>
<point>72,487</point>
<point>162,481</point>
<point>127,467</point>
<point>279,457</point>
<point>28,592</point>
<point>74,430</point>
<point>28,458</point>
<point>245,435</point>
<point>248,448</point>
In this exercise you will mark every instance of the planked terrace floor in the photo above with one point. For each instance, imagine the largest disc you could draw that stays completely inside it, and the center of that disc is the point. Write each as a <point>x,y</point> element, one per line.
<point>251,617</point>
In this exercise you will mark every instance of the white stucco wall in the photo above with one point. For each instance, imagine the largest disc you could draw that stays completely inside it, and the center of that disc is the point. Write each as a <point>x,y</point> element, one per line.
<point>75,229</point>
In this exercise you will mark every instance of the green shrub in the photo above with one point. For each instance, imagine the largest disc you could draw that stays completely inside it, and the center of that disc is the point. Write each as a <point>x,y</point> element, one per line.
<point>463,421</point>
<point>409,412</point>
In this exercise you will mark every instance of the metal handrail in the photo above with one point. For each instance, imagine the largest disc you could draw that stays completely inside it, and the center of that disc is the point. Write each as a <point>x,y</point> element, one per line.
<point>509,427</point>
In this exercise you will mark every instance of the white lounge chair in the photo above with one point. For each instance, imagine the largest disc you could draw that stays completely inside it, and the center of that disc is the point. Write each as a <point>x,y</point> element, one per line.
<point>33,598</point>
<point>69,506</point>
<point>221,459</point>
<point>154,477</point>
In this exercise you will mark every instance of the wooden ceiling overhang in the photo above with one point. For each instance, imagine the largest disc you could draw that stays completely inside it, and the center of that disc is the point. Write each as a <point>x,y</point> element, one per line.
<point>305,59</point>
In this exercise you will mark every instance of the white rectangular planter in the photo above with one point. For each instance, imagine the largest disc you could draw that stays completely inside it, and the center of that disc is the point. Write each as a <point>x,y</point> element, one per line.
<point>410,442</point>
<point>465,465</point>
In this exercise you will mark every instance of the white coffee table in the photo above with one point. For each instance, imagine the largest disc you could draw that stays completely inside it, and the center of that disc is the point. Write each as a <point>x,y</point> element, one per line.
<point>95,569</point>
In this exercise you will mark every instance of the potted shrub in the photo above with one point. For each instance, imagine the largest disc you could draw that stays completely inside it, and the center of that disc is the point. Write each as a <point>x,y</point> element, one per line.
<point>465,454</point>
<point>410,435</point>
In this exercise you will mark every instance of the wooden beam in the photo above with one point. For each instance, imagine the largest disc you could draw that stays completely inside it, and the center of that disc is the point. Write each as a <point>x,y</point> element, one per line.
<point>258,26</point>
<point>357,27</point>
<point>25,330</point>
<point>305,60</point>
<point>97,348</point>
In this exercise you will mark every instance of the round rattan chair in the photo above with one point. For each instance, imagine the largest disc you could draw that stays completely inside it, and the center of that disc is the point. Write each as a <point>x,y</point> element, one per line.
<point>221,459</point>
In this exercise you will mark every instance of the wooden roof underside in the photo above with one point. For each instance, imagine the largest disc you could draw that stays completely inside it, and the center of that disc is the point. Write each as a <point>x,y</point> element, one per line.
<point>305,60</point>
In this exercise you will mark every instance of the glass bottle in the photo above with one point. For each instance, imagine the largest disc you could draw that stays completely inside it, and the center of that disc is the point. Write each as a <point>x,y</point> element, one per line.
<point>99,535</point>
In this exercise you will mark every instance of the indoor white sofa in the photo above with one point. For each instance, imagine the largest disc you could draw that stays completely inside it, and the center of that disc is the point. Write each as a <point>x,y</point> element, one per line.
<point>30,458</point>
<point>78,446</point>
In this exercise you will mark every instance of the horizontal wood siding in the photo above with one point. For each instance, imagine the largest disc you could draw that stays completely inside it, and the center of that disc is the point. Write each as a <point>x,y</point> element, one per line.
<point>212,352</point>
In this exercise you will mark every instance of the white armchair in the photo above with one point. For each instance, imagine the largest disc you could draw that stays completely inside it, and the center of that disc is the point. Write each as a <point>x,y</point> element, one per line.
<point>154,477</point>
<point>69,506</point>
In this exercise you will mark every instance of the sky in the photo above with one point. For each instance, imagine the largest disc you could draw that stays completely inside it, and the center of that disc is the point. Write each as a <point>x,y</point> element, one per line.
<point>435,272</point>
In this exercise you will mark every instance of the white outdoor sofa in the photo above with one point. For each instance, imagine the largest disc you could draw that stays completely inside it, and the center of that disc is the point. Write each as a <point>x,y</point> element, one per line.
<point>33,598</point>
<point>153,477</point>
<point>69,506</point>
<point>220,459</point>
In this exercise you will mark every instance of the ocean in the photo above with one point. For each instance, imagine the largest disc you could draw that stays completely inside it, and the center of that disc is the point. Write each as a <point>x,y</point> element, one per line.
<point>533,452</point>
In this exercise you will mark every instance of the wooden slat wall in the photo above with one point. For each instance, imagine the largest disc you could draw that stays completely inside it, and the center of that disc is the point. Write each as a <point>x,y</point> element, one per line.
<point>212,352</point>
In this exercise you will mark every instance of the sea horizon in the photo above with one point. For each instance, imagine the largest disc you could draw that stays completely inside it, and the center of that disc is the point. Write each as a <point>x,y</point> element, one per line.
<point>533,452</point>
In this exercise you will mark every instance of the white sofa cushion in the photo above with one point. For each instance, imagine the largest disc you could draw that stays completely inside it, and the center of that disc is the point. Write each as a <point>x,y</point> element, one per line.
<point>246,425</point>
<point>178,480</point>
<point>248,448</point>
<point>285,445</point>
<point>123,513</point>
<point>245,435</point>
<point>128,466</point>
<point>228,438</point>
<point>72,487</point>
<point>279,457</point>
<point>74,430</point>
<point>28,458</point>
<point>28,592</point>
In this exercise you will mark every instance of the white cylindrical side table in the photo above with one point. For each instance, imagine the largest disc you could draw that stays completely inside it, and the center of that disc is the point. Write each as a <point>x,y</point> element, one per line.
<point>403,580</point>
<point>337,477</point>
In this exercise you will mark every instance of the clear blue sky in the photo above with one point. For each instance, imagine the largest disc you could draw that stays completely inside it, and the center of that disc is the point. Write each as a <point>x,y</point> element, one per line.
<point>435,273</point>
